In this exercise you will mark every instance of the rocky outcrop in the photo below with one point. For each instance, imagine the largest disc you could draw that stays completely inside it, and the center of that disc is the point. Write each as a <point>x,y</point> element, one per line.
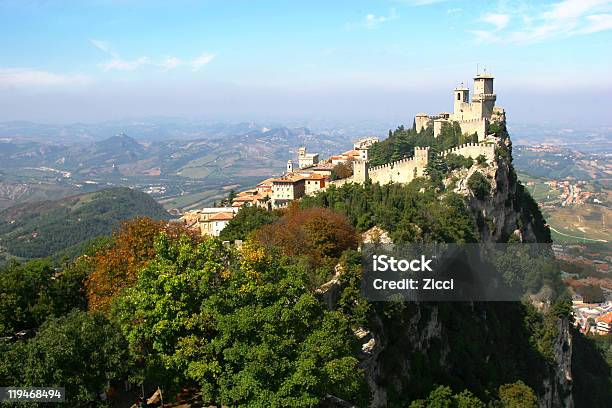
<point>558,387</point>
<point>421,339</point>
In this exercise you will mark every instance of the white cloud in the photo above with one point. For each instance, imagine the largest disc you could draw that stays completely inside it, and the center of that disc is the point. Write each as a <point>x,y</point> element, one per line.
<point>117,63</point>
<point>420,2</point>
<point>371,20</point>
<point>202,60</point>
<point>572,9</point>
<point>36,78</point>
<point>598,22</point>
<point>500,21</point>
<point>103,46</point>
<point>124,65</point>
<point>454,10</point>
<point>169,63</point>
<point>562,19</point>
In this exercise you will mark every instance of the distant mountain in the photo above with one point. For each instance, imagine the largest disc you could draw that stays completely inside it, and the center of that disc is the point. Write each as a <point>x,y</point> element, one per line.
<point>181,172</point>
<point>42,229</point>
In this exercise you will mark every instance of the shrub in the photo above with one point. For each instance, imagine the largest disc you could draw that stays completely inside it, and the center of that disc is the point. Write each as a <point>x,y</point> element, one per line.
<point>479,185</point>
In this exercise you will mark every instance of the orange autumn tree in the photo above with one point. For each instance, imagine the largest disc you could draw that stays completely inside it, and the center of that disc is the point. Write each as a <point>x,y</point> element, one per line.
<point>115,267</point>
<point>320,235</point>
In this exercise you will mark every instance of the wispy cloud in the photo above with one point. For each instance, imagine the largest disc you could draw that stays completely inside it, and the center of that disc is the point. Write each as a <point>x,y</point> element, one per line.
<point>598,22</point>
<point>169,63</point>
<point>104,46</point>
<point>28,77</point>
<point>202,60</point>
<point>124,65</point>
<point>420,2</point>
<point>371,20</point>
<point>562,19</point>
<point>498,20</point>
<point>117,63</point>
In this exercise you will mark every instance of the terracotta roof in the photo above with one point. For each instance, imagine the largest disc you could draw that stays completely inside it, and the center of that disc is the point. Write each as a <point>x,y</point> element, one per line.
<point>222,216</point>
<point>246,192</point>
<point>288,179</point>
<point>265,182</point>
<point>607,318</point>
<point>315,176</point>
<point>245,198</point>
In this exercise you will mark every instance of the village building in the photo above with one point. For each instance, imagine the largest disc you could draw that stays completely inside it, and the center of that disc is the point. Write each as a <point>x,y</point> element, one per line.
<point>208,221</point>
<point>286,189</point>
<point>306,159</point>
<point>311,176</point>
<point>313,183</point>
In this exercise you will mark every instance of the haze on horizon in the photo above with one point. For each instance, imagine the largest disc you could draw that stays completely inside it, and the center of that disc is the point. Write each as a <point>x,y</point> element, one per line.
<point>101,60</point>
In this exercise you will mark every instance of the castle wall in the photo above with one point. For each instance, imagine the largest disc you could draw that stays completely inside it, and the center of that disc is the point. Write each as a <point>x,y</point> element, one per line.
<point>473,150</point>
<point>401,171</point>
<point>474,126</point>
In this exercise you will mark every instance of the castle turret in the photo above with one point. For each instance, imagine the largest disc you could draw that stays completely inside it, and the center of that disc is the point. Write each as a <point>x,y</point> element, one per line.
<point>484,98</point>
<point>360,171</point>
<point>421,155</point>
<point>420,121</point>
<point>462,98</point>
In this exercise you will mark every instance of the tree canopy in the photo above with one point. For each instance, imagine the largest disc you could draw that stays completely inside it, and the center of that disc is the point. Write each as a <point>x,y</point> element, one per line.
<point>246,330</point>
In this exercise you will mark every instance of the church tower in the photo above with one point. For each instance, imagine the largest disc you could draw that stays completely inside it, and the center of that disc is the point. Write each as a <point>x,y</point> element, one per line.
<point>289,166</point>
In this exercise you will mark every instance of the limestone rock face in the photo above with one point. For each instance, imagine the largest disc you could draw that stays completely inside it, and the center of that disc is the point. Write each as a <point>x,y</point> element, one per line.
<point>395,353</point>
<point>376,235</point>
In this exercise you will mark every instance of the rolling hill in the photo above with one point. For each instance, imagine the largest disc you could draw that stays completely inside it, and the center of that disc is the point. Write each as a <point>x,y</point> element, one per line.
<point>42,229</point>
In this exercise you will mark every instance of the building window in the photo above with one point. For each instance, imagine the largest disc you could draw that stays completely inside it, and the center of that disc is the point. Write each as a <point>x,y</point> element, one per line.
<point>458,96</point>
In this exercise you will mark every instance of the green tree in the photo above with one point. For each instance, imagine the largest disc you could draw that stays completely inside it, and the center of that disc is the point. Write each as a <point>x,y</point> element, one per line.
<point>247,220</point>
<point>80,352</point>
<point>244,328</point>
<point>443,397</point>
<point>342,171</point>
<point>33,291</point>
<point>479,185</point>
<point>517,395</point>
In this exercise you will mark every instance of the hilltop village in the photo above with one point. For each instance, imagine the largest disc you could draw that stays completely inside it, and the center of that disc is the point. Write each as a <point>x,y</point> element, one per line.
<point>308,174</point>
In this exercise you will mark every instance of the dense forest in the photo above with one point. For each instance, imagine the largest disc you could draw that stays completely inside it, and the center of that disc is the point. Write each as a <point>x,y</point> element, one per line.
<point>56,228</point>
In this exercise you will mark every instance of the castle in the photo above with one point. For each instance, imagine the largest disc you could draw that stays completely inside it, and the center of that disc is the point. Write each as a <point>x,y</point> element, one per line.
<point>473,117</point>
<point>312,175</point>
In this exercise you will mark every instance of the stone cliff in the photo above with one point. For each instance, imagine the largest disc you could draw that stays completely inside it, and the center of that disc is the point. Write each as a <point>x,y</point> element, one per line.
<point>478,346</point>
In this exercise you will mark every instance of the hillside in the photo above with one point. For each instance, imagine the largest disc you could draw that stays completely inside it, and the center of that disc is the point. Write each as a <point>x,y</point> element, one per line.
<point>178,172</point>
<point>42,229</point>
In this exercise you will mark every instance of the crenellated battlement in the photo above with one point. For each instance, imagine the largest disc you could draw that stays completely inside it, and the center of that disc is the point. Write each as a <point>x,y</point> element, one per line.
<point>472,150</point>
<point>392,164</point>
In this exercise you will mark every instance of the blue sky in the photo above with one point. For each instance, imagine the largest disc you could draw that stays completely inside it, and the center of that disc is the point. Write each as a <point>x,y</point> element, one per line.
<point>248,60</point>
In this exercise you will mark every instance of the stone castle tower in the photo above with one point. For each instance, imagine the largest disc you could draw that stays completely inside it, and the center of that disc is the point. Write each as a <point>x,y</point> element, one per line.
<point>473,116</point>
